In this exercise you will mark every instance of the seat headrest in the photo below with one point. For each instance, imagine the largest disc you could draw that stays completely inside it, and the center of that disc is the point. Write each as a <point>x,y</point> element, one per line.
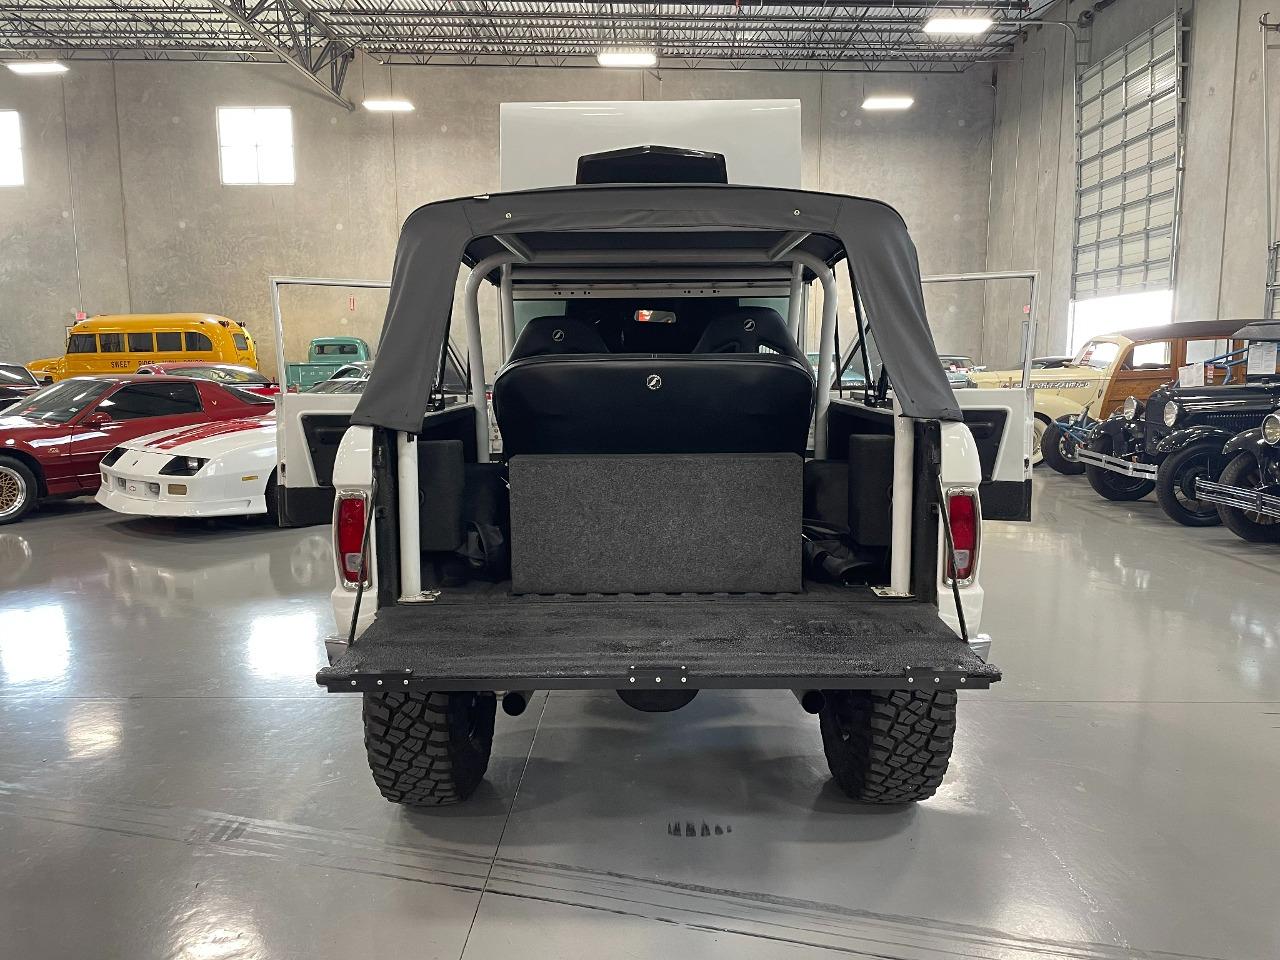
<point>747,330</point>
<point>546,336</point>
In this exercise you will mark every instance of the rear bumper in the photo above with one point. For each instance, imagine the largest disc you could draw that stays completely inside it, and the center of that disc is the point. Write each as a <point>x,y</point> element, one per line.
<point>788,641</point>
<point>1144,471</point>
<point>1240,498</point>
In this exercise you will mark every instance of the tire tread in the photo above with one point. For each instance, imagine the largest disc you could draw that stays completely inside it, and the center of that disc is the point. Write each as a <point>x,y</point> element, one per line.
<point>895,747</point>
<point>420,747</point>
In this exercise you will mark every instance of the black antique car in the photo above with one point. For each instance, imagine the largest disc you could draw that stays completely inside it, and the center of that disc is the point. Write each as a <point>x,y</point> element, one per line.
<point>1177,436</point>
<point>1247,492</point>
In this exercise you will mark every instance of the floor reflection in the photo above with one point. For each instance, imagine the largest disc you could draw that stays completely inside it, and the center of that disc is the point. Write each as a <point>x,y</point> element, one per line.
<point>34,646</point>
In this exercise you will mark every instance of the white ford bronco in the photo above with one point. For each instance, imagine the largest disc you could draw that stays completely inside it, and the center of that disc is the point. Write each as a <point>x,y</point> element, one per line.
<point>681,502</point>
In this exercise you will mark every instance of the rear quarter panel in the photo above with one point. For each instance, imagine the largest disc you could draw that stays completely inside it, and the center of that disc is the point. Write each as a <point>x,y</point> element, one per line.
<point>961,467</point>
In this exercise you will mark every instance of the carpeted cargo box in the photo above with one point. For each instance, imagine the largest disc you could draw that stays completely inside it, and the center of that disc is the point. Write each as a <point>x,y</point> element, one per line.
<point>695,523</point>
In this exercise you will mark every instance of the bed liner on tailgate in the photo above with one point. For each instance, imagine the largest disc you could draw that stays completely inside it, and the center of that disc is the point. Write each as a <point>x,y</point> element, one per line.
<point>832,640</point>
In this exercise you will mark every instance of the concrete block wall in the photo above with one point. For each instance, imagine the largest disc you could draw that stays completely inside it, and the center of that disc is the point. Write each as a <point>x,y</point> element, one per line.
<point>123,209</point>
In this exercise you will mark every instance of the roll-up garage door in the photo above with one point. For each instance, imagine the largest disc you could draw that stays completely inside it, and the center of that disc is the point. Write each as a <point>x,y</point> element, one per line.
<point>1128,129</point>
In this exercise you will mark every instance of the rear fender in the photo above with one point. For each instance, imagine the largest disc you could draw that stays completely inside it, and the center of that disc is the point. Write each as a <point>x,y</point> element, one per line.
<point>961,467</point>
<point>353,474</point>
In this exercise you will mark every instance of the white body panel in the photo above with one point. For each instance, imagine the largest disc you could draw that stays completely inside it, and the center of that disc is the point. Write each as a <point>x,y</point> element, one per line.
<point>541,142</point>
<point>960,468</point>
<point>294,456</point>
<point>353,473</point>
<point>241,456</point>
<point>1013,456</point>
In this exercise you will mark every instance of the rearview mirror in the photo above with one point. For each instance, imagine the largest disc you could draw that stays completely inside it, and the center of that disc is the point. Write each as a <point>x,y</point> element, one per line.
<point>97,419</point>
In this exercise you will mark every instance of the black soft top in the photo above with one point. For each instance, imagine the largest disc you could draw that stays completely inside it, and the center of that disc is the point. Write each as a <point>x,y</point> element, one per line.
<point>556,225</point>
<point>1260,330</point>
<point>1182,329</point>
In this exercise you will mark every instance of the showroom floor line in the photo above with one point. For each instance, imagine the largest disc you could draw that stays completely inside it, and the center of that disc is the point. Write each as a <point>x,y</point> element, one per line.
<point>173,785</point>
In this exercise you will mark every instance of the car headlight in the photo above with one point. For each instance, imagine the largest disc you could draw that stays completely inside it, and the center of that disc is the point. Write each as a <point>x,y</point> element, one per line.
<point>1170,415</point>
<point>115,454</point>
<point>1271,428</point>
<point>1131,408</point>
<point>183,466</point>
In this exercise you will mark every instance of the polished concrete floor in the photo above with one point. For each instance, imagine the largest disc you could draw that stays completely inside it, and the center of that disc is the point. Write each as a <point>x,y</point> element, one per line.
<point>172,784</point>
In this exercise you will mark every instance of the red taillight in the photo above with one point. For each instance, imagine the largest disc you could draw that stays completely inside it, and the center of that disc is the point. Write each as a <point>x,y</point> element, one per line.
<point>962,509</point>
<point>348,534</point>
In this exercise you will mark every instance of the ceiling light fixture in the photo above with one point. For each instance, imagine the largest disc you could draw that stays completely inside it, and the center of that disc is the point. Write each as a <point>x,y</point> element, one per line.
<point>33,68</point>
<point>388,106</point>
<point>967,26</point>
<point>887,103</point>
<point>627,58</point>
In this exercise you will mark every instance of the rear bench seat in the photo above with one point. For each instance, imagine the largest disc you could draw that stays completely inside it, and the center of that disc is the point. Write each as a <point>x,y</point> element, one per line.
<point>747,388</point>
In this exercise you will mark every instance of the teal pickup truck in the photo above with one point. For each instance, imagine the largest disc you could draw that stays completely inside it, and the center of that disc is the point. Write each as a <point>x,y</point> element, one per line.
<point>324,356</point>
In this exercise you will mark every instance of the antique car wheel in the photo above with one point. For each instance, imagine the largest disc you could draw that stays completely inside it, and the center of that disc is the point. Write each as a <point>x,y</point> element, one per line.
<point>888,746</point>
<point>19,490</point>
<point>1058,451</point>
<point>428,749</point>
<point>1114,486</point>
<point>1176,485</point>
<point>1243,471</point>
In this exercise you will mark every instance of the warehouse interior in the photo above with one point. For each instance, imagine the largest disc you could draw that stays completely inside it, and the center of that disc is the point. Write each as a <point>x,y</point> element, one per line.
<point>174,778</point>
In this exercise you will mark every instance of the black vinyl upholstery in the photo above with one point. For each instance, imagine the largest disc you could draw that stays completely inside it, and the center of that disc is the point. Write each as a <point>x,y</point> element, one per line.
<point>556,336</point>
<point>750,330</point>
<point>672,403</point>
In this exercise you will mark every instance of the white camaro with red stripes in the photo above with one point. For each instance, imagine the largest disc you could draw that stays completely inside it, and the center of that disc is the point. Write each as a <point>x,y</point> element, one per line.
<point>219,469</point>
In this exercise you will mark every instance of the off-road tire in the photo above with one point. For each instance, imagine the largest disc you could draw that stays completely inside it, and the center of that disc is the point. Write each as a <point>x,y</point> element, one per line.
<point>1051,450</point>
<point>428,749</point>
<point>1179,471</point>
<point>1243,472</point>
<point>888,746</point>
<point>1114,486</point>
<point>19,490</point>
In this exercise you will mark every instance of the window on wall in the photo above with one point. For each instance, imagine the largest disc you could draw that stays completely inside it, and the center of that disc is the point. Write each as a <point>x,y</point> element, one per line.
<point>1127,140</point>
<point>255,144</point>
<point>10,149</point>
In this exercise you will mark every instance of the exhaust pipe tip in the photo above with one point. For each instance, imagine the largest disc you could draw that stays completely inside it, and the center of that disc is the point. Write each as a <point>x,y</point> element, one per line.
<point>514,702</point>
<point>811,700</point>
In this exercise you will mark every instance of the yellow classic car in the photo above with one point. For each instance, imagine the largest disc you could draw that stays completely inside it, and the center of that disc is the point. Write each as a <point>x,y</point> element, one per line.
<point>1111,367</point>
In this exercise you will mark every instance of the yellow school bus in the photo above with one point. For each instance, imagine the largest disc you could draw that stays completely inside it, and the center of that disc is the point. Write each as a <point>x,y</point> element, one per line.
<point>123,342</point>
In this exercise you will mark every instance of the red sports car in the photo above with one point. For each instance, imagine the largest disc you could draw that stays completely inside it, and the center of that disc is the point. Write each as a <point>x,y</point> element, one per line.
<point>228,374</point>
<point>51,442</point>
